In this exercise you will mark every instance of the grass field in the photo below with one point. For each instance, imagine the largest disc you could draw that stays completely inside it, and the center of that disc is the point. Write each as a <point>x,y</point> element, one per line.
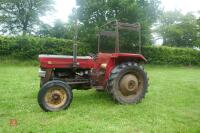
<point>171,105</point>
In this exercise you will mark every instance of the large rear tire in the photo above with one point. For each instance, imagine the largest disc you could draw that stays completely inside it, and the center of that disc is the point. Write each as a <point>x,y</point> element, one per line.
<point>55,95</point>
<point>128,83</point>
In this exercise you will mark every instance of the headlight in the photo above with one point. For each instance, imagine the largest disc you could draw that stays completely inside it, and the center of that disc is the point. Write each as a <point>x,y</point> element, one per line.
<point>42,73</point>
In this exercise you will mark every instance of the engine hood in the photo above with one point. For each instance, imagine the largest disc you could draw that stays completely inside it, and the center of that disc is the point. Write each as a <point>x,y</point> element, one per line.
<point>64,61</point>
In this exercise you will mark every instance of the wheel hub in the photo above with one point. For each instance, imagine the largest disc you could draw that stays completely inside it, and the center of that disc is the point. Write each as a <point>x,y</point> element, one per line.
<point>131,85</point>
<point>56,97</point>
<point>128,84</point>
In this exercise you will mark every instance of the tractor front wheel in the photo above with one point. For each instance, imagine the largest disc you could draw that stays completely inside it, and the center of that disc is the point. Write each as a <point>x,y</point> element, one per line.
<point>128,83</point>
<point>55,96</point>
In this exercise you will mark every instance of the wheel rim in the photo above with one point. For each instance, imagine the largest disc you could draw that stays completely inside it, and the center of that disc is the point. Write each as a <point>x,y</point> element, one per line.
<point>130,84</point>
<point>56,97</point>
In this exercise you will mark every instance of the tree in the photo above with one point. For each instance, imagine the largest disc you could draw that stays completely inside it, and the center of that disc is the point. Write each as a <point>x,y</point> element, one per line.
<point>44,30</point>
<point>58,30</point>
<point>177,29</point>
<point>20,16</point>
<point>165,21</point>
<point>95,13</point>
<point>197,42</point>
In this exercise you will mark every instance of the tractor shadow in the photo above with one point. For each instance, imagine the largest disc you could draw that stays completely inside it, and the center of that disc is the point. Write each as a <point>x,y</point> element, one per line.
<point>91,97</point>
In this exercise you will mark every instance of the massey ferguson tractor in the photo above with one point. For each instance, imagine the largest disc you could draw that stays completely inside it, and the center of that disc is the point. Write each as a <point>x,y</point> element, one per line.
<point>120,74</point>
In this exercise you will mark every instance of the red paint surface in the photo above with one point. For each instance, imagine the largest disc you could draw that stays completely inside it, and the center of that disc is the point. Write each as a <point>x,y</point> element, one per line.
<point>102,58</point>
<point>112,60</point>
<point>51,62</point>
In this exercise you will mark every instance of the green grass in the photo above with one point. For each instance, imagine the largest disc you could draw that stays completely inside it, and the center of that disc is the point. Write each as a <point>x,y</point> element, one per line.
<point>171,105</point>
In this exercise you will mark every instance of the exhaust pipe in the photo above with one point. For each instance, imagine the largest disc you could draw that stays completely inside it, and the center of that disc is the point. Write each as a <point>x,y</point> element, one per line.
<point>75,38</point>
<point>74,55</point>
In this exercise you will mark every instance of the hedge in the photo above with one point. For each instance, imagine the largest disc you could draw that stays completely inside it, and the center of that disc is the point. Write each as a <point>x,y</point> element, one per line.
<point>29,48</point>
<point>171,55</point>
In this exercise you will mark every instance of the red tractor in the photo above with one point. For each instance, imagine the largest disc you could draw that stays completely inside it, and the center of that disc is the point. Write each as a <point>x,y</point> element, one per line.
<point>120,74</point>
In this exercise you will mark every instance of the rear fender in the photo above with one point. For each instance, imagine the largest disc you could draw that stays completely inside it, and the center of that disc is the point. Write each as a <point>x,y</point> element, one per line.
<point>117,59</point>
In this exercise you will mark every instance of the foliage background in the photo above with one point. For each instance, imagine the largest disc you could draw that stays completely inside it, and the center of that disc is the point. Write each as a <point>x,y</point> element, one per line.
<point>179,30</point>
<point>28,48</point>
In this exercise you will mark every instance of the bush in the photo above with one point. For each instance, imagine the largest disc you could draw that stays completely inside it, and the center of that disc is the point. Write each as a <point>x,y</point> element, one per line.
<point>169,55</point>
<point>6,45</point>
<point>30,47</point>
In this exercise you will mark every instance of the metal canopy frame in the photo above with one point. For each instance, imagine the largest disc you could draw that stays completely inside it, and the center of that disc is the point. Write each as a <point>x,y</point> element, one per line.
<point>115,34</point>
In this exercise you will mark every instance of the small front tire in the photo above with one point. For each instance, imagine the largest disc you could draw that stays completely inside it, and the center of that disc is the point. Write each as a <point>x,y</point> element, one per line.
<point>54,96</point>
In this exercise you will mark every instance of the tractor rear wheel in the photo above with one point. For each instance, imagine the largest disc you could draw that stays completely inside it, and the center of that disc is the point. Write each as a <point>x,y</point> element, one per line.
<point>55,95</point>
<point>128,83</point>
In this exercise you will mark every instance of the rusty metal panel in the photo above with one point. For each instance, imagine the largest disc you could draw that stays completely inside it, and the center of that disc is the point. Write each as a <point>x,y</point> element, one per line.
<point>115,34</point>
<point>108,33</point>
<point>127,26</point>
